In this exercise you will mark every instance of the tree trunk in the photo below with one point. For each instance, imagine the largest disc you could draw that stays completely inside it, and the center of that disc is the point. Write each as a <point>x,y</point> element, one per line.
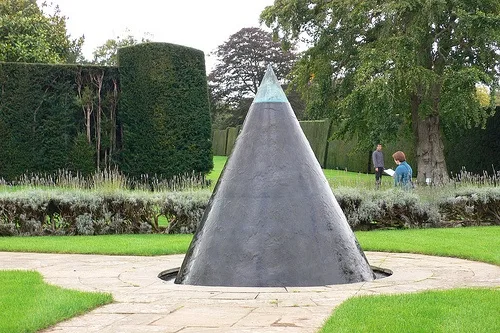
<point>88,113</point>
<point>430,149</point>
<point>98,80</point>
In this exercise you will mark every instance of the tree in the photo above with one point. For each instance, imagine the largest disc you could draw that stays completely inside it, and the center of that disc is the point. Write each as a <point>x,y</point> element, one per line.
<point>28,34</point>
<point>241,63</point>
<point>483,95</point>
<point>106,53</point>
<point>390,66</point>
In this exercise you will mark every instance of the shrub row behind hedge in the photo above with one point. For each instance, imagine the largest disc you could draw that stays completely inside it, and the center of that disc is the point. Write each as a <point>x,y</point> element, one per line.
<point>39,212</point>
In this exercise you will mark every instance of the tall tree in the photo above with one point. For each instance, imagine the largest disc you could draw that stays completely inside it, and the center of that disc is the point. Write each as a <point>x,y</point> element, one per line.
<point>28,34</point>
<point>106,53</point>
<point>241,64</point>
<point>382,67</point>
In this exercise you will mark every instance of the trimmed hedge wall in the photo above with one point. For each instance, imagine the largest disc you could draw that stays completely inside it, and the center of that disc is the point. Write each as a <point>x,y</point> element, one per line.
<point>317,133</point>
<point>484,142</point>
<point>219,141</point>
<point>41,116</point>
<point>232,134</point>
<point>66,116</point>
<point>341,155</point>
<point>164,110</point>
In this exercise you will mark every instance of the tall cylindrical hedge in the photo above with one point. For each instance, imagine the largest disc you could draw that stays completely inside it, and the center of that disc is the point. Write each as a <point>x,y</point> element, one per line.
<point>164,110</point>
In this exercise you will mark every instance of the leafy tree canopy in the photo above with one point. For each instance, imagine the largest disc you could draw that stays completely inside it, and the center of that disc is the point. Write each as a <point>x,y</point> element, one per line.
<point>385,67</point>
<point>29,34</point>
<point>241,64</point>
<point>106,54</point>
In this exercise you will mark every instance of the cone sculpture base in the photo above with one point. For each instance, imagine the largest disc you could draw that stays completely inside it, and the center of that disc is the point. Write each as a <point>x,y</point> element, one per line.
<point>272,220</point>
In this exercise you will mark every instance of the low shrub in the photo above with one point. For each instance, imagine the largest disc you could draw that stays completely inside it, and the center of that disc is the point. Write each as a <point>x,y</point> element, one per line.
<point>471,207</point>
<point>367,210</point>
<point>184,210</point>
<point>78,212</point>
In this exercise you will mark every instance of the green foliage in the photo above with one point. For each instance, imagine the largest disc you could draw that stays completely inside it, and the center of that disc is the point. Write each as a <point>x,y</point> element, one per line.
<point>28,34</point>
<point>75,212</point>
<point>390,68</point>
<point>82,155</point>
<point>472,206</point>
<point>232,135</point>
<point>317,133</point>
<point>393,208</point>
<point>28,304</point>
<point>40,116</point>
<point>184,211</point>
<point>164,110</point>
<point>106,54</point>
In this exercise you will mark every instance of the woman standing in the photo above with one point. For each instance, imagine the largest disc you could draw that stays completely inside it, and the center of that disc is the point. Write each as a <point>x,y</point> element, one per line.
<point>403,173</point>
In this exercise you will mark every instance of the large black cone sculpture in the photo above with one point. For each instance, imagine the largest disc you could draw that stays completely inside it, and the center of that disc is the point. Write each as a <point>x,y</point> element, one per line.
<point>272,219</point>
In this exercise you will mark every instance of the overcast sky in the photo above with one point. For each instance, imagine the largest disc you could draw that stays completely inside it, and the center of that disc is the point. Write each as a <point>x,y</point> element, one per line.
<point>201,24</point>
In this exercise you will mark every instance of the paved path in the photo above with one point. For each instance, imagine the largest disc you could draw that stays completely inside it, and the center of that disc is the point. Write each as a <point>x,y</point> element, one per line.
<point>144,303</point>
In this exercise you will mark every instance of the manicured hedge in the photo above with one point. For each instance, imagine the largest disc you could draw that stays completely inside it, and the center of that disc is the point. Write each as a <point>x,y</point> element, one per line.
<point>41,116</point>
<point>164,110</point>
<point>474,149</point>
<point>219,141</point>
<point>317,133</point>
<point>56,117</point>
<point>232,134</point>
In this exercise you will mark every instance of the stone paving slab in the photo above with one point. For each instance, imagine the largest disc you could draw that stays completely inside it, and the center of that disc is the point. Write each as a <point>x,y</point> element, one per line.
<point>145,303</point>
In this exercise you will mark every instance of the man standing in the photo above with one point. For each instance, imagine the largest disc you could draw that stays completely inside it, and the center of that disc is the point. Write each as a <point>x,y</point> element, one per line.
<point>378,163</point>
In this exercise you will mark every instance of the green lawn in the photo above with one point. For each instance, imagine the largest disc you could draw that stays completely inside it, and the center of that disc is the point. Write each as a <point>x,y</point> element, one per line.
<point>474,243</point>
<point>140,245</point>
<point>27,304</point>
<point>219,162</point>
<point>454,311</point>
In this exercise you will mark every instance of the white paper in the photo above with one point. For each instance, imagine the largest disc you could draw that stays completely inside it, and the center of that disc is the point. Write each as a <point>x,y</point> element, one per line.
<point>390,172</point>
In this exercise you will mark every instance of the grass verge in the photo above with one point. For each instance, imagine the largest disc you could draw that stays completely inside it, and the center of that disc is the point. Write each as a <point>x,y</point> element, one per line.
<point>137,245</point>
<point>474,243</point>
<point>27,304</point>
<point>458,310</point>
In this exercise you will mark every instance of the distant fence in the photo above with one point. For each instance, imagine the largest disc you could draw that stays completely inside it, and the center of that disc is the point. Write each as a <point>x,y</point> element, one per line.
<point>334,154</point>
<point>331,154</point>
